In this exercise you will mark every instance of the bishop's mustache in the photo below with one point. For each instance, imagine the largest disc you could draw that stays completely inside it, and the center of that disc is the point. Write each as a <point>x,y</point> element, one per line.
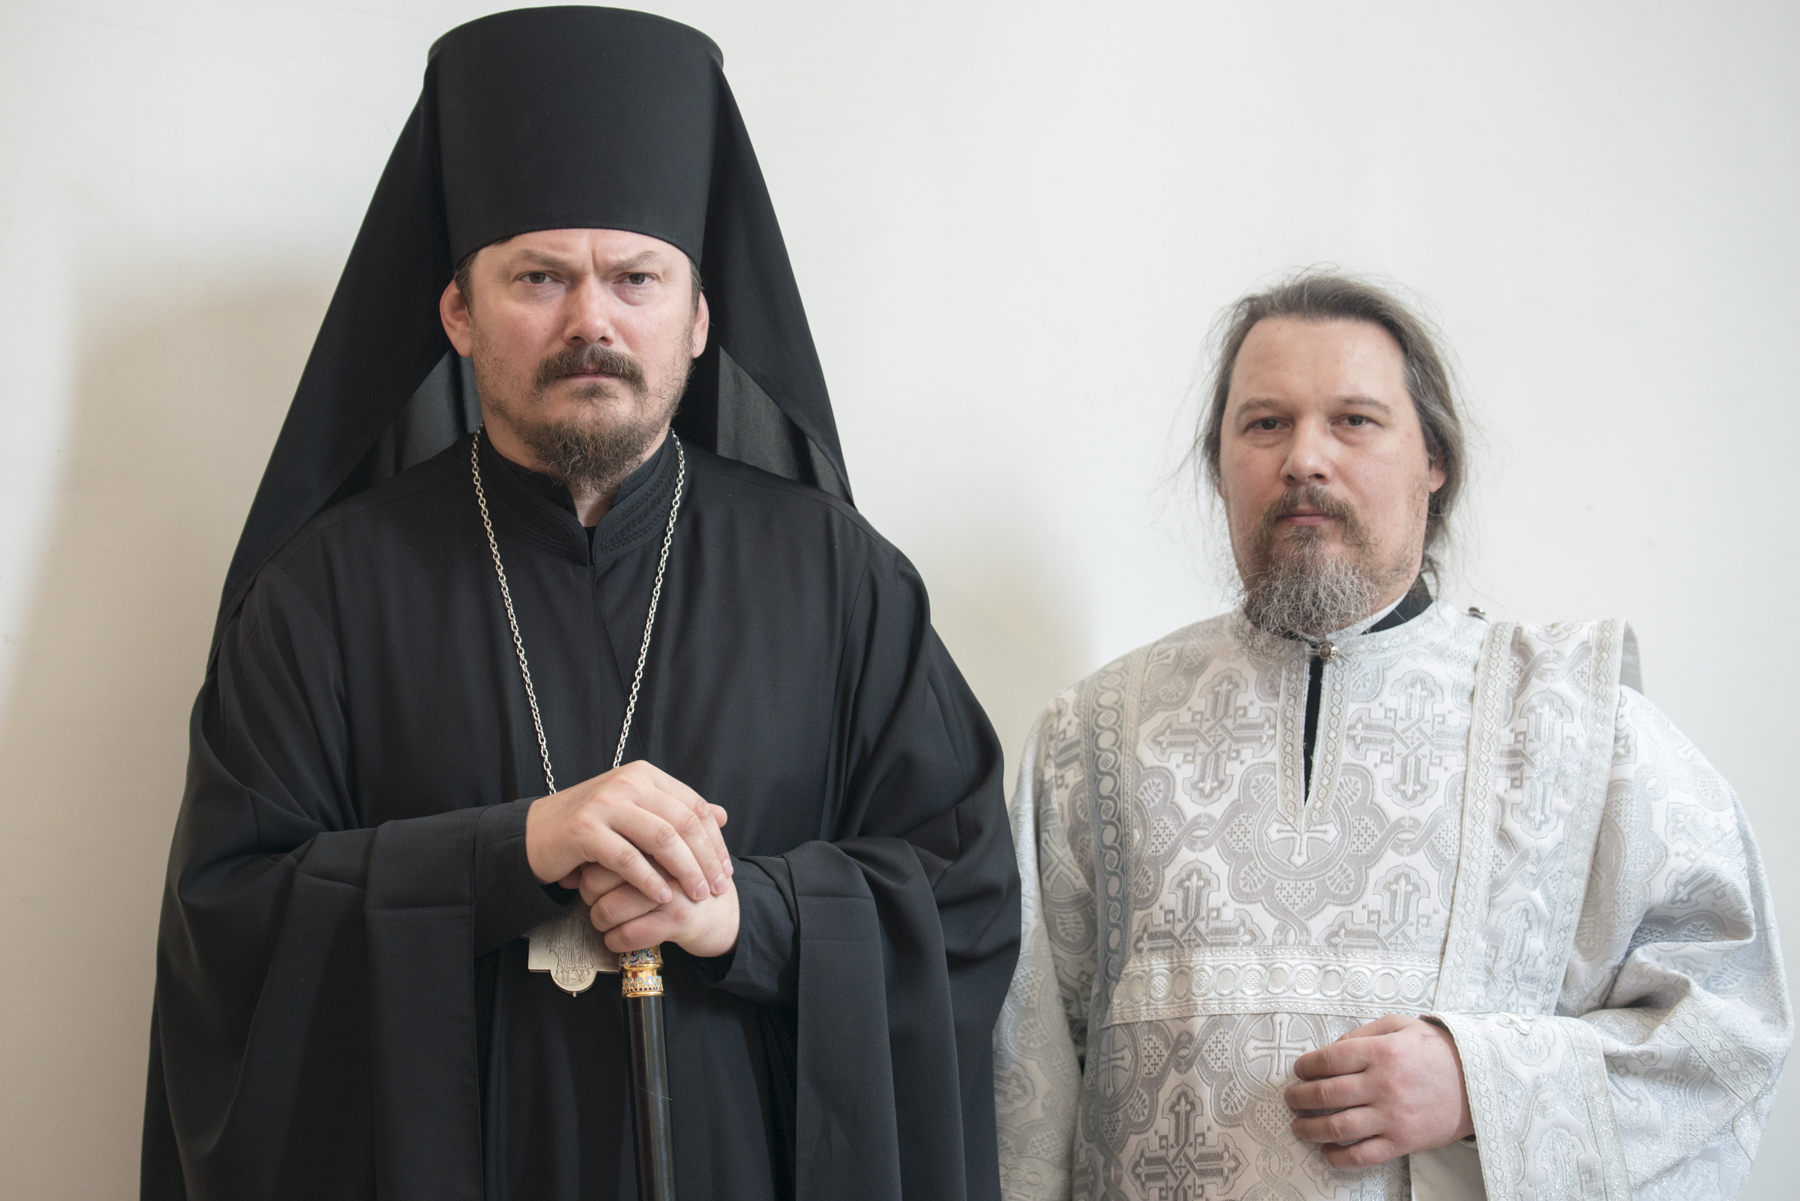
<point>589,360</point>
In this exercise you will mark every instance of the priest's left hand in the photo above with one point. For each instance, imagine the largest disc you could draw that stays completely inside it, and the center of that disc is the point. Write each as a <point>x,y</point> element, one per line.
<point>631,921</point>
<point>1397,1087</point>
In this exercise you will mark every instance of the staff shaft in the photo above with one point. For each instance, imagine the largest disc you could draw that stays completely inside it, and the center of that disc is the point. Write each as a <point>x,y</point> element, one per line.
<point>649,1080</point>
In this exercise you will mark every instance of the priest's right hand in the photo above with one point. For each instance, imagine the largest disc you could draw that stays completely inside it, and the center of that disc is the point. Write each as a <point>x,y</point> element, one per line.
<point>631,820</point>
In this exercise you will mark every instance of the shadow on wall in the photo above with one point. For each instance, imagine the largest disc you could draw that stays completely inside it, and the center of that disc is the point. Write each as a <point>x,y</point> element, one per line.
<point>174,421</point>
<point>1014,625</point>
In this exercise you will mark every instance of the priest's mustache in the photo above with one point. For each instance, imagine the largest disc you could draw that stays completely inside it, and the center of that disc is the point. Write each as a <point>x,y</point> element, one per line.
<point>1312,496</point>
<point>590,360</point>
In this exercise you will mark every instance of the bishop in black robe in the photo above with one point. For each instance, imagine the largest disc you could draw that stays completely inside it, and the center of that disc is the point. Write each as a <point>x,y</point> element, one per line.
<point>343,1007</point>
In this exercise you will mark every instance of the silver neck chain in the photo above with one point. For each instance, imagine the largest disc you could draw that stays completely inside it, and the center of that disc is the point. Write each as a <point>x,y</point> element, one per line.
<point>512,619</point>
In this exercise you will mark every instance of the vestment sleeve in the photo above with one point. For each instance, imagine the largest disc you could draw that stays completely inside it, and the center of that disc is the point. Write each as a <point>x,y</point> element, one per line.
<point>894,935</point>
<point>1656,1073</point>
<point>315,974</point>
<point>1041,1041</point>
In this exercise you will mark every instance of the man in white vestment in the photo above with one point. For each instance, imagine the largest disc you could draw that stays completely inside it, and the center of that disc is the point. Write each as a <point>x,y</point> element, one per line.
<point>1353,894</point>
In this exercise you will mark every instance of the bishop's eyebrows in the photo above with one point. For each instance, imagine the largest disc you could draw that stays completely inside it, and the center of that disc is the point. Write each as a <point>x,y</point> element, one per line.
<point>541,258</point>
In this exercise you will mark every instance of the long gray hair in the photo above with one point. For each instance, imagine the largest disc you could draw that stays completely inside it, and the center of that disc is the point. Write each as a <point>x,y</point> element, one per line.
<point>1316,295</point>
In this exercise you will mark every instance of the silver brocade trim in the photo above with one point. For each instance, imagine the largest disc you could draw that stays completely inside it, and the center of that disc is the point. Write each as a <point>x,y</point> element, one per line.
<point>1459,979</point>
<point>1594,724</point>
<point>1258,979</point>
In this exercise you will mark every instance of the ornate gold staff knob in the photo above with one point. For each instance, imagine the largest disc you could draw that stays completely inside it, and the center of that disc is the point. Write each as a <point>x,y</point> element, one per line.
<point>642,973</point>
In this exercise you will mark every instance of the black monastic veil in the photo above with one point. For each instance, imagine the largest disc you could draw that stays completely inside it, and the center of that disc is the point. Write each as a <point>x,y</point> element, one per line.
<point>342,1004</point>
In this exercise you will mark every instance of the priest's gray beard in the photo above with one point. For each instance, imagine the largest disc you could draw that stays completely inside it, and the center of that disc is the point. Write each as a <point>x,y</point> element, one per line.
<point>1294,582</point>
<point>592,453</point>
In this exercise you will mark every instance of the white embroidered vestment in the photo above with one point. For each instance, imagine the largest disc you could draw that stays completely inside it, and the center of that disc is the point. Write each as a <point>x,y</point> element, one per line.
<point>1497,833</point>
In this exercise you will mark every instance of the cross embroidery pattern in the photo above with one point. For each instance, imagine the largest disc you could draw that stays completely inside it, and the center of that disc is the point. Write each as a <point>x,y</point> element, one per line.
<point>1321,829</point>
<point>1196,921</point>
<point>1271,1048</point>
<point>1415,736</point>
<point>1179,1162</point>
<point>1392,924</point>
<point>1212,735</point>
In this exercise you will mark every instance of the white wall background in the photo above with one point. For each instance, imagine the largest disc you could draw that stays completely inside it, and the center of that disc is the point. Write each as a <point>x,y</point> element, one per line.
<point>1012,223</point>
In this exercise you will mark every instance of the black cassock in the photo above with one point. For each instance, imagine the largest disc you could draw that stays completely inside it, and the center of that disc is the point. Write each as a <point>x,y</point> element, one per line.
<point>343,1007</point>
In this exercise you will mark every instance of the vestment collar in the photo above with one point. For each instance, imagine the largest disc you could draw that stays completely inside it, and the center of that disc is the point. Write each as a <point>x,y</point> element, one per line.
<point>1415,616</point>
<point>537,510</point>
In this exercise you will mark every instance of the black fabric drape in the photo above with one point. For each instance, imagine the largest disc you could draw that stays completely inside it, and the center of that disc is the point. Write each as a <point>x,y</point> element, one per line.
<point>342,1007</point>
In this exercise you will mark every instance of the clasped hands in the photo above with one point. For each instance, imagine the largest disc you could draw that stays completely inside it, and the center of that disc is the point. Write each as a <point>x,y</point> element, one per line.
<point>1396,1086</point>
<point>645,852</point>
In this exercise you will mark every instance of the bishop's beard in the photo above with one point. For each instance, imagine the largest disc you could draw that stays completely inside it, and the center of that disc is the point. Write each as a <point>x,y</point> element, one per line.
<point>1296,583</point>
<point>593,453</point>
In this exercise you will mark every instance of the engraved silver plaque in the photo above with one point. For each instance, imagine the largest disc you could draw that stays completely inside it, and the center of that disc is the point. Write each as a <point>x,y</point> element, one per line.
<point>571,950</point>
